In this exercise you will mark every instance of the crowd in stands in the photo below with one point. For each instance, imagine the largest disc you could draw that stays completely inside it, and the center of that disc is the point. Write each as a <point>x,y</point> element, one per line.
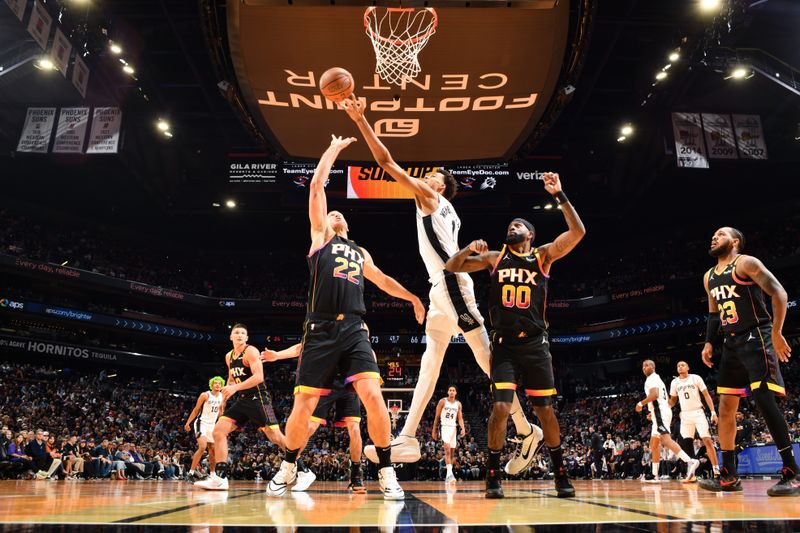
<point>614,265</point>
<point>63,424</point>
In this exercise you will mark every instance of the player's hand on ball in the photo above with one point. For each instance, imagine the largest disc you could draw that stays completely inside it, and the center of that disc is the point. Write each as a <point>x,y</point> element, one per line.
<point>552,183</point>
<point>478,247</point>
<point>707,354</point>
<point>353,107</point>
<point>340,143</point>
<point>269,356</point>
<point>419,310</point>
<point>782,348</point>
<point>228,391</point>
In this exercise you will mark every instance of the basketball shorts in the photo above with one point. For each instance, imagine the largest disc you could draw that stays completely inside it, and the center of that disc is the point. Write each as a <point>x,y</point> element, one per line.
<point>452,308</point>
<point>450,435</point>
<point>346,403</point>
<point>749,362</point>
<point>692,421</point>
<point>204,429</point>
<point>331,348</point>
<point>253,406</point>
<point>661,419</point>
<point>522,361</point>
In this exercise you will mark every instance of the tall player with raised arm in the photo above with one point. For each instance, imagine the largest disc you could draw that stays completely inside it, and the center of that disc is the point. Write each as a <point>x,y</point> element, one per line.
<point>452,308</point>
<point>520,276</point>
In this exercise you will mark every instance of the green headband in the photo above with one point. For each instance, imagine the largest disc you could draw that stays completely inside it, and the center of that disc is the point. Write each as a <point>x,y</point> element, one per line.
<point>215,378</point>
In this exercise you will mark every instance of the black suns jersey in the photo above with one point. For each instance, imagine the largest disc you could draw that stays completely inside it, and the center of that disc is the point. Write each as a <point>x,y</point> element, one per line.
<point>518,294</point>
<point>337,278</point>
<point>740,302</point>
<point>241,373</point>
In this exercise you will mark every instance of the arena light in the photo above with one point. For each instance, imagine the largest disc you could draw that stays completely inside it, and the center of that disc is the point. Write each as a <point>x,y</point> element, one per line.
<point>621,139</point>
<point>626,130</point>
<point>168,134</point>
<point>674,56</point>
<point>127,69</point>
<point>710,5</point>
<point>548,206</point>
<point>740,72</point>
<point>230,204</point>
<point>215,204</point>
<point>115,48</point>
<point>162,124</point>
<point>661,75</point>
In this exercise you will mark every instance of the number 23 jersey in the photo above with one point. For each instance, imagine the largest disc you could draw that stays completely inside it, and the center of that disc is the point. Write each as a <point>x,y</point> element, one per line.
<point>740,302</point>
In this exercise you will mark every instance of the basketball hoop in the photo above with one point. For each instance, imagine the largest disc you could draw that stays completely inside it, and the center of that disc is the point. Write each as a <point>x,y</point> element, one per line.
<point>394,410</point>
<point>398,35</point>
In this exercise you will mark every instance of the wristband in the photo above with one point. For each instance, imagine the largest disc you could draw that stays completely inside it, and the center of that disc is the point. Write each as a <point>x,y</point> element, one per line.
<point>712,327</point>
<point>560,198</point>
<point>713,413</point>
<point>640,404</point>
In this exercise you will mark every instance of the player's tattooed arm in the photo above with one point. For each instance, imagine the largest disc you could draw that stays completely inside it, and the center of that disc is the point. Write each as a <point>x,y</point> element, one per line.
<point>756,271</point>
<point>317,202</point>
<point>565,242</point>
<point>391,286</point>
<point>465,261</point>
<point>424,194</point>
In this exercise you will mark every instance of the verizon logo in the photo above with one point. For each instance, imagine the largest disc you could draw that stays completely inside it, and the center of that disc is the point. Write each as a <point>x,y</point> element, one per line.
<point>535,175</point>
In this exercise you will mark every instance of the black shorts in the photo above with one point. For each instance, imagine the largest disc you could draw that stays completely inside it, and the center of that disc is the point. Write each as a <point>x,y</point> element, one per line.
<point>749,362</point>
<point>346,403</point>
<point>331,348</point>
<point>525,361</point>
<point>254,406</point>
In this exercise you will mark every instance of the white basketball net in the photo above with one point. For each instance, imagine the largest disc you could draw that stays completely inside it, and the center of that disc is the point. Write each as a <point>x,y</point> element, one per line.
<point>398,35</point>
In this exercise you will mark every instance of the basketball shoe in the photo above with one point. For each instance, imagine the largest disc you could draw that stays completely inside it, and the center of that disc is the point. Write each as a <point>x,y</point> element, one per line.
<point>527,446</point>
<point>304,480</point>
<point>789,485</point>
<point>387,478</point>
<point>494,489</point>
<point>287,474</point>
<point>405,449</point>
<point>213,483</point>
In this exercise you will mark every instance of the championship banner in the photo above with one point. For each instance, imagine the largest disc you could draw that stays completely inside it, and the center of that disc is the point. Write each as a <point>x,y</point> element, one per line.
<point>71,130</point>
<point>720,139</point>
<point>60,52</point>
<point>37,130</point>
<point>39,25</point>
<point>18,7</point>
<point>80,75</point>
<point>104,138</point>
<point>750,136</point>
<point>689,147</point>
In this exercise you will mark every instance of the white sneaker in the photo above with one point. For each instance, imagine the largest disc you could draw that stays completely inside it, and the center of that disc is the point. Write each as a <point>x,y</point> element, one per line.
<point>654,480</point>
<point>450,478</point>
<point>213,483</point>
<point>405,449</point>
<point>304,480</point>
<point>287,474</point>
<point>527,448</point>
<point>691,468</point>
<point>387,479</point>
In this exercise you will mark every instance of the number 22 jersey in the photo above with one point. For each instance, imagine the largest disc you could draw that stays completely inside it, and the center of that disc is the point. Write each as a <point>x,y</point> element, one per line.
<point>337,278</point>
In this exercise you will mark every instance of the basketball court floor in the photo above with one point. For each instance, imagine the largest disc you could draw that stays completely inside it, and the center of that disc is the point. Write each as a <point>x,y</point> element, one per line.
<point>600,506</point>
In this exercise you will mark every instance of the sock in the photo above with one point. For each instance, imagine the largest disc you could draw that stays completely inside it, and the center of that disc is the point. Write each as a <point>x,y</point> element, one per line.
<point>729,462</point>
<point>191,472</point>
<point>291,455</point>
<point>655,468</point>
<point>788,458</point>
<point>222,470</point>
<point>684,457</point>
<point>384,456</point>
<point>449,469</point>
<point>301,466</point>
<point>494,459</point>
<point>715,468</point>
<point>355,469</point>
<point>556,459</point>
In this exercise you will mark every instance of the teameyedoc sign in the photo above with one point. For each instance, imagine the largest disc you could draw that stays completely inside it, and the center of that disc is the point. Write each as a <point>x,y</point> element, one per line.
<point>487,76</point>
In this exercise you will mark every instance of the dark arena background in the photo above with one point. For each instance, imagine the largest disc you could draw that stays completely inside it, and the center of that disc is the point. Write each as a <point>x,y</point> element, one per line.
<point>156,163</point>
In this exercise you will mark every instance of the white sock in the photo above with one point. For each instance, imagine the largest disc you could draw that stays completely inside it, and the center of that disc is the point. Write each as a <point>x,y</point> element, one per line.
<point>191,472</point>
<point>655,468</point>
<point>683,456</point>
<point>716,469</point>
<point>449,470</point>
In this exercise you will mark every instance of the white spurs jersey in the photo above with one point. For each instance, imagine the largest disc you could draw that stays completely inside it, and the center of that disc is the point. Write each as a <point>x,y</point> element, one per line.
<point>449,415</point>
<point>688,392</point>
<point>437,234</point>
<point>211,408</point>
<point>655,381</point>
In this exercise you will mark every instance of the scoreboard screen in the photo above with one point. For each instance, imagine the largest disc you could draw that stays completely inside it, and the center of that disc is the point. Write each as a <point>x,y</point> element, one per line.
<point>394,371</point>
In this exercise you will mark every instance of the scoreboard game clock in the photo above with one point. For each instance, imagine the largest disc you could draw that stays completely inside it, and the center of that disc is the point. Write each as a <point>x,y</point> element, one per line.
<point>394,371</point>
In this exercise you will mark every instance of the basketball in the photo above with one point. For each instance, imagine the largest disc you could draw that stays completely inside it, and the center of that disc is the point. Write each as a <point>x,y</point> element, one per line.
<point>336,84</point>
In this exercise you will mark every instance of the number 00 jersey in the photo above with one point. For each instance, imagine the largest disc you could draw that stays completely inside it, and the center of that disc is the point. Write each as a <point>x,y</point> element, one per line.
<point>337,278</point>
<point>518,294</point>
<point>741,303</point>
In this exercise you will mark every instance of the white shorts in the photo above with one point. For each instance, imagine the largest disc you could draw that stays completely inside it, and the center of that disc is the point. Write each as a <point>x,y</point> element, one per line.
<point>449,435</point>
<point>662,419</point>
<point>453,309</point>
<point>694,420</point>
<point>204,429</point>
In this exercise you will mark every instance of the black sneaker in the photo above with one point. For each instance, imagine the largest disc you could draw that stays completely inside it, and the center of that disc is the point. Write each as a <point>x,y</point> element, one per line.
<point>494,489</point>
<point>356,485</point>
<point>789,485</point>
<point>564,488</point>
<point>724,483</point>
